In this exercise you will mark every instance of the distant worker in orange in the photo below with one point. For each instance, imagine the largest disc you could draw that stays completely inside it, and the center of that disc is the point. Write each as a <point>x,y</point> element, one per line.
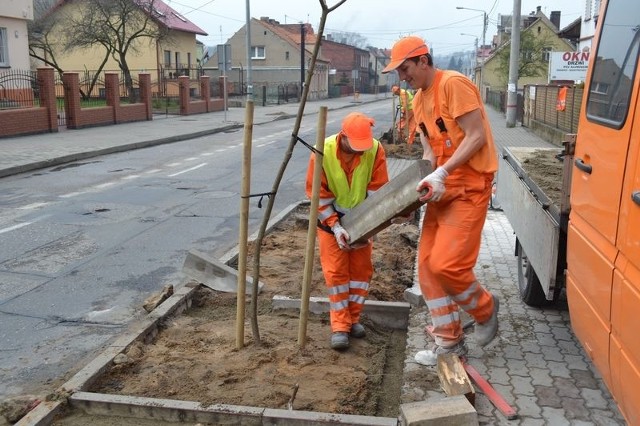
<point>456,136</point>
<point>354,166</point>
<point>407,119</point>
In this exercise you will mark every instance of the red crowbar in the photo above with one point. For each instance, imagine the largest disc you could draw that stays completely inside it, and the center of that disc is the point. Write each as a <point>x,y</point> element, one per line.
<point>496,399</point>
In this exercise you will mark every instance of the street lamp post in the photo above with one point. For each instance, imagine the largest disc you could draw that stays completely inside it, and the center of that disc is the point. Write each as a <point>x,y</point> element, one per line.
<point>484,35</point>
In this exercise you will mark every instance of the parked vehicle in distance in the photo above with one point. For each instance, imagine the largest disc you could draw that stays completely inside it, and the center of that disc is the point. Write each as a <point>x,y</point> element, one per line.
<point>587,241</point>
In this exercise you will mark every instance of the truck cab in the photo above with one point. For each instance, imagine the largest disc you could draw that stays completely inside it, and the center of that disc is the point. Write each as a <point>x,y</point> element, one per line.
<point>603,236</point>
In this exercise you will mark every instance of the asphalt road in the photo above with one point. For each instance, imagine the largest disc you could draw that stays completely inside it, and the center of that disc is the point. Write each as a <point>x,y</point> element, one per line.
<point>84,243</point>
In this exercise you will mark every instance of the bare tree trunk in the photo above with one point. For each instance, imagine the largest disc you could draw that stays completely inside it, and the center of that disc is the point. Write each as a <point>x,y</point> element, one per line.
<point>267,214</point>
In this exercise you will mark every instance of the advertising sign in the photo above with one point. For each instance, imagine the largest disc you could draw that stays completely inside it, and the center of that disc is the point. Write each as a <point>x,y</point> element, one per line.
<point>568,66</point>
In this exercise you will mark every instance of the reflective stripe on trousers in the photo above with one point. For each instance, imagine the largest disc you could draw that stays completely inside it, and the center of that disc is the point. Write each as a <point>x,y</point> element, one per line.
<point>447,254</point>
<point>347,275</point>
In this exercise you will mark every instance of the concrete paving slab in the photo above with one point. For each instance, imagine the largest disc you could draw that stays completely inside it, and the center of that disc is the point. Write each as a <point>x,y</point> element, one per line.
<point>448,411</point>
<point>212,273</point>
<point>396,198</point>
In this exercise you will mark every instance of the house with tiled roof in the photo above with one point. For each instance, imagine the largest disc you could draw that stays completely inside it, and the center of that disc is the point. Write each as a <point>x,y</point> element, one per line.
<point>349,68</point>
<point>176,55</point>
<point>14,43</point>
<point>540,28</point>
<point>280,60</point>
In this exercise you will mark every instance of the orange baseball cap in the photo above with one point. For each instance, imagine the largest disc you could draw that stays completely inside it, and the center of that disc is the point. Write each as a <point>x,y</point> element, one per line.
<point>405,48</point>
<point>357,128</point>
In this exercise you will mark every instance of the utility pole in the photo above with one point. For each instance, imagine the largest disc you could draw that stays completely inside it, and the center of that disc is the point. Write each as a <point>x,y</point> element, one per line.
<point>484,37</point>
<point>476,60</point>
<point>512,87</point>
<point>482,58</point>
<point>249,53</point>
<point>302,48</point>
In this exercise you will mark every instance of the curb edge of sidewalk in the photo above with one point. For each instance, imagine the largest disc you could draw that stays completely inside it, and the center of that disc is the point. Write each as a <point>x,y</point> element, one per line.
<point>56,161</point>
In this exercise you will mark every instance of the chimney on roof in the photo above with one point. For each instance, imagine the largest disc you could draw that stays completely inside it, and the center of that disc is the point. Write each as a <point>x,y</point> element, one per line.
<point>555,18</point>
<point>538,9</point>
<point>269,20</point>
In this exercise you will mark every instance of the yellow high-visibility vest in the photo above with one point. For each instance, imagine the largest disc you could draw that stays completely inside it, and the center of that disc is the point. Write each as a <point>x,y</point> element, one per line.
<point>347,196</point>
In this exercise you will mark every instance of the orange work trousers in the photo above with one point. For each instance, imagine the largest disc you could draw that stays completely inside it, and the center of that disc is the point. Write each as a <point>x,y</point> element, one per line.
<point>447,253</point>
<point>347,275</point>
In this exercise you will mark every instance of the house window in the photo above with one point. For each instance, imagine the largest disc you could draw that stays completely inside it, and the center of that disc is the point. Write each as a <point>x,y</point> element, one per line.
<point>286,55</point>
<point>257,52</point>
<point>600,88</point>
<point>189,60</point>
<point>546,54</point>
<point>177,59</point>
<point>167,58</point>
<point>4,48</point>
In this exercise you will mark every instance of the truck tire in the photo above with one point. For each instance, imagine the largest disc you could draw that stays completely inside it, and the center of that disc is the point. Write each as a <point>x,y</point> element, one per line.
<point>529,285</point>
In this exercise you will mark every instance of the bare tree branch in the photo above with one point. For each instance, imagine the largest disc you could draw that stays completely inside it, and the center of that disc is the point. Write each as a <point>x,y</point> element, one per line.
<point>120,27</point>
<point>294,138</point>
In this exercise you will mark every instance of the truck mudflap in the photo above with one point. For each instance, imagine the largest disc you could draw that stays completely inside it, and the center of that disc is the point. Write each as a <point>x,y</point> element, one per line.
<point>538,223</point>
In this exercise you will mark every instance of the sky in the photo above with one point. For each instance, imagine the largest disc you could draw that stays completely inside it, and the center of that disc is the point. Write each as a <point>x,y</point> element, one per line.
<point>446,29</point>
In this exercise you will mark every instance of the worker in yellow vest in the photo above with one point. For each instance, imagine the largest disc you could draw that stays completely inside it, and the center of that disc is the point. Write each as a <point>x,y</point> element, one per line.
<point>354,166</point>
<point>407,119</point>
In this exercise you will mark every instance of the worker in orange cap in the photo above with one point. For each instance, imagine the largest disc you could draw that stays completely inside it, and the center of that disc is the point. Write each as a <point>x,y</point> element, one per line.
<point>407,118</point>
<point>456,136</point>
<point>353,166</point>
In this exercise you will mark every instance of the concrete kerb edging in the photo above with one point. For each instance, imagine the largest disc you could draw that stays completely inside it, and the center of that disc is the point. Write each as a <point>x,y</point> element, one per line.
<point>73,391</point>
<point>51,162</point>
<point>111,150</point>
<point>44,413</point>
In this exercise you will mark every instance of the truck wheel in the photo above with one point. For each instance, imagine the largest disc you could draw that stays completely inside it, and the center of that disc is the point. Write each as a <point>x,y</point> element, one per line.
<point>529,285</point>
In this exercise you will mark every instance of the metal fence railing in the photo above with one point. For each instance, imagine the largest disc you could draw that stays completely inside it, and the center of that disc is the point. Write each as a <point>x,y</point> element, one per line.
<point>19,89</point>
<point>498,100</point>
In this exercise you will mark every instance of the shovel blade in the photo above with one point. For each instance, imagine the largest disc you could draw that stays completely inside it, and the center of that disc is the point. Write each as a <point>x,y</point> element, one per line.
<point>213,273</point>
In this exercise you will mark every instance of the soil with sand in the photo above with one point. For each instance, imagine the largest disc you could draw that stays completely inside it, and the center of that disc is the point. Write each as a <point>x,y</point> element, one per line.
<point>194,357</point>
<point>545,169</point>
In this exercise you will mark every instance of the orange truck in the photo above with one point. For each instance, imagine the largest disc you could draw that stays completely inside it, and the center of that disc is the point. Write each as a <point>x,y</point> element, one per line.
<point>587,244</point>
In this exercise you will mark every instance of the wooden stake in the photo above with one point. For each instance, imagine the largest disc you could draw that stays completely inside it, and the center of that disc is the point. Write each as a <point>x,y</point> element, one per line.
<point>311,233</point>
<point>244,221</point>
<point>453,377</point>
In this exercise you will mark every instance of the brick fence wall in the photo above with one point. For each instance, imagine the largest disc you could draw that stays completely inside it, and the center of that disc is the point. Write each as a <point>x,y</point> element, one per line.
<point>205,104</point>
<point>114,112</point>
<point>42,119</point>
<point>33,120</point>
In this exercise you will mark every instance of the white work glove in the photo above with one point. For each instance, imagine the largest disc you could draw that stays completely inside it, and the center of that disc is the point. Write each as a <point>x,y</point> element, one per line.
<point>342,236</point>
<point>434,184</point>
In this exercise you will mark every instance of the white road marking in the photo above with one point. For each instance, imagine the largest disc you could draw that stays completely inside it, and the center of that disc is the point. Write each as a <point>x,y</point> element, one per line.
<point>148,172</point>
<point>105,185</point>
<point>14,227</point>
<point>265,144</point>
<point>130,177</point>
<point>32,206</point>
<point>188,170</point>
<point>72,194</point>
<point>174,164</point>
<point>22,225</point>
